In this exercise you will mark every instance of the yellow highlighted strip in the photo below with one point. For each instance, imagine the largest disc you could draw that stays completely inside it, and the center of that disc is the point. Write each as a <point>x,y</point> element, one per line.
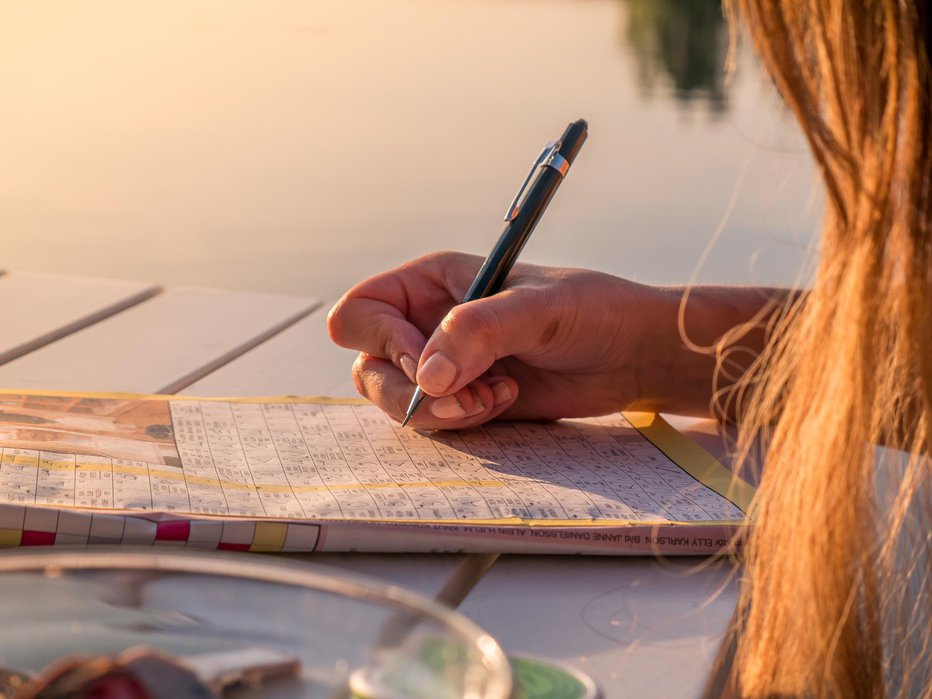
<point>20,460</point>
<point>693,459</point>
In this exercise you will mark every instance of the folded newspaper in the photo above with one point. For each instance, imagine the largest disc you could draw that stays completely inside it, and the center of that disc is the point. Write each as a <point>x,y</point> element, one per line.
<point>317,474</point>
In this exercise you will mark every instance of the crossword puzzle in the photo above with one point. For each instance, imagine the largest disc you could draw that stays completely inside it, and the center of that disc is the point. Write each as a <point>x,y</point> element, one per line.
<point>306,461</point>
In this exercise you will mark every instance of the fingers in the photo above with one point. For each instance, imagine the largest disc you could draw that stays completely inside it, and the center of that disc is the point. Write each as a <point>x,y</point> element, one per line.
<point>379,330</point>
<point>388,315</point>
<point>474,335</point>
<point>389,388</point>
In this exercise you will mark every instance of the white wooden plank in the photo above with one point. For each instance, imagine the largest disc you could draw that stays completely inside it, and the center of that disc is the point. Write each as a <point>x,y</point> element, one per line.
<point>38,308</point>
<point>425,574</point>
<point>160,345</point>
<point>301,360</point>
<point>640,627</point>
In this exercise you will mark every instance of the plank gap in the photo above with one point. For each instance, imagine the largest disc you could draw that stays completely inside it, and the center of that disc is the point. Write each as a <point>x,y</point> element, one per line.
<point>236,352</point>
<point>78,324</point>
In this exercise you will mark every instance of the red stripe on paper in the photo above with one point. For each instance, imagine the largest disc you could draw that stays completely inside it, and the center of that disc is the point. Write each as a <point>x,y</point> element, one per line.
<point>172,531</point>
<point>230,546</point>
<point>37,538</point>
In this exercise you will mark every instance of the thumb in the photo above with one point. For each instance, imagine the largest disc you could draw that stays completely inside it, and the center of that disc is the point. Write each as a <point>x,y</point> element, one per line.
<point>473,335</point>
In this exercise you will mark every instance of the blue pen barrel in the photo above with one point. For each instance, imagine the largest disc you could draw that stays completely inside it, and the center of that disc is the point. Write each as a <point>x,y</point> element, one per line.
<point>498,264</point>
<point>503,256</point>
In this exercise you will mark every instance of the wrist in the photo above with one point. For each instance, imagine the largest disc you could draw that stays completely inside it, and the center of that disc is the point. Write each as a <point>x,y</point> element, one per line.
<point>666,374</point>
<point>678,345</point>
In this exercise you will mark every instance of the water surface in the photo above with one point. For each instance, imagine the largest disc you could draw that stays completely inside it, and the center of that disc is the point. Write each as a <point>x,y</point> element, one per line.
<point>297,146</point>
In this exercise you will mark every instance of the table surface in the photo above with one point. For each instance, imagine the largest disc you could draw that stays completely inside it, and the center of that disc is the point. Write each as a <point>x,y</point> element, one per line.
<point>639,626</point>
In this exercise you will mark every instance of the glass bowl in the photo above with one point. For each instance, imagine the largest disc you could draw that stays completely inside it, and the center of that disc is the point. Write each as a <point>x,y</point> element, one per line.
<point>243,623</point>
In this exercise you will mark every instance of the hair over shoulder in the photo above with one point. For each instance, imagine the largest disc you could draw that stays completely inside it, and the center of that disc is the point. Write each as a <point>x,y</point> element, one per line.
<point>836,601</point>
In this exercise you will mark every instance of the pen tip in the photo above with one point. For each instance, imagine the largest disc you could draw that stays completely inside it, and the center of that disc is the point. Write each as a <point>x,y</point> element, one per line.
<point>405,421</point>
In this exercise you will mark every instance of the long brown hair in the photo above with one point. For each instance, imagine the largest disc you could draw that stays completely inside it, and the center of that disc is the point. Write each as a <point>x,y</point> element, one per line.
<point>836,600</point>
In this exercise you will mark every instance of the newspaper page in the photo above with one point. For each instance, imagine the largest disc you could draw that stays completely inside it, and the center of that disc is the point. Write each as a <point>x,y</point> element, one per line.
<point>292,474</point>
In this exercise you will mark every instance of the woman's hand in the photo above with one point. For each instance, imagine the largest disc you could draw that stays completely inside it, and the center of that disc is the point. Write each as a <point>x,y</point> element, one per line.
<point>554,343</point>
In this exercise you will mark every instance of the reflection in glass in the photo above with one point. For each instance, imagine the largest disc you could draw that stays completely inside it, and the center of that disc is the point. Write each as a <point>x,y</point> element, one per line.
<point>680,44</point>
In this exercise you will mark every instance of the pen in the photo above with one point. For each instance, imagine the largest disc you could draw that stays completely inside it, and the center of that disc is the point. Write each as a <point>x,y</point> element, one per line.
<point>522,216</point>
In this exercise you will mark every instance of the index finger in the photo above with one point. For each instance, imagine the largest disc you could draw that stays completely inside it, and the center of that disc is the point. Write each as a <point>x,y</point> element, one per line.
<point>378,329</point>
<point>389,315</point>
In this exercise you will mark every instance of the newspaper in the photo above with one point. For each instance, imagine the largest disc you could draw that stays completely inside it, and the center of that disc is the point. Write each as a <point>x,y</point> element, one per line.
<point>293,474</point>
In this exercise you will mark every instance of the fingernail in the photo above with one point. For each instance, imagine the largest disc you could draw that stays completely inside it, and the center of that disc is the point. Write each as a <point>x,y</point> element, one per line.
<point>408,366</point>
<point>447,407</point>
<point>501,393</point>
<point>437,374</point>
<point>477,405</point>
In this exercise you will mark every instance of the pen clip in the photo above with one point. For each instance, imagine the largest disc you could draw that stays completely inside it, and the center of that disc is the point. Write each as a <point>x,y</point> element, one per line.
<point>549,156</point>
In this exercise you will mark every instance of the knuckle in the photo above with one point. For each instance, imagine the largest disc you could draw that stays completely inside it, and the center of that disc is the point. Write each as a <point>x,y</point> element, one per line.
<point>370,381</point>
<point>360,374</point>
<point>386,346</point>
<point>438,256</point>
<point>336,326</point>
<point>439,259</point>
<point>447,257</point>
<point>470,319</point>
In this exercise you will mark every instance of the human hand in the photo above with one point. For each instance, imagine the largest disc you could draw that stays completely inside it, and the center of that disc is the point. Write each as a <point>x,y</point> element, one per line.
<point>554,343</point>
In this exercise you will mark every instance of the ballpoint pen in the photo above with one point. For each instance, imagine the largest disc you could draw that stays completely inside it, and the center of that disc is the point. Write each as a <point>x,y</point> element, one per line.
<point>522,216</point>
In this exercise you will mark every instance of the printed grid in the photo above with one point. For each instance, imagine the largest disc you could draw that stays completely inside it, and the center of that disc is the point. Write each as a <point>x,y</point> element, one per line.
<point>311,461</point>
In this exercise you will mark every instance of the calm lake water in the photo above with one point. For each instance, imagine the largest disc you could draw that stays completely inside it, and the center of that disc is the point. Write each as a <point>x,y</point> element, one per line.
<point>298,146</point>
